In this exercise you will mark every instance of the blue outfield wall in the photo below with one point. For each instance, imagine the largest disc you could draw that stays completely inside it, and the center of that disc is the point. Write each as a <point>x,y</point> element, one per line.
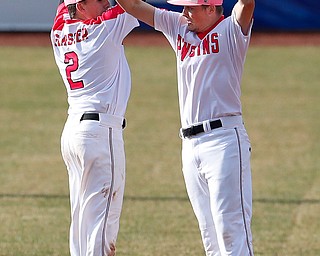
<point>287,15</point>
<point>273,15</point>
<point>270,15</point>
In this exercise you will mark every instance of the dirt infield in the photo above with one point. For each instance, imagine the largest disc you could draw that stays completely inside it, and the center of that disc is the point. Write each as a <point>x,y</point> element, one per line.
<point>157,39</point>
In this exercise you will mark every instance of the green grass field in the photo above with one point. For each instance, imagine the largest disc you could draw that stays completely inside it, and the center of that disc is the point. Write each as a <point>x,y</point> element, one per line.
<point>281,95</point>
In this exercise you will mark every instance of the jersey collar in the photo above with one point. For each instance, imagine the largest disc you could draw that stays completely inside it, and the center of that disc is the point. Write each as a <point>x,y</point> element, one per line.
<point>202,35</point>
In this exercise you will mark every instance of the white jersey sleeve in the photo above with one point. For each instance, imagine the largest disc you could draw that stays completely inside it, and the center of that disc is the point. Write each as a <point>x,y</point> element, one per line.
<point>209,66</point>
<point>168,23</point>
<point>91,60</point>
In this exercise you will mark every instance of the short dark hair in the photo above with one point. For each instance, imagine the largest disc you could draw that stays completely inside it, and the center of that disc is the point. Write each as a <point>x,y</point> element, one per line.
<point>72,9</point>
<point>219,9</point>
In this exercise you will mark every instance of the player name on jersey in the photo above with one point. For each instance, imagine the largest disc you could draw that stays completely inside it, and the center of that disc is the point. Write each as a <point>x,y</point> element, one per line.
<point>209,45</point>
<point>71,38</point>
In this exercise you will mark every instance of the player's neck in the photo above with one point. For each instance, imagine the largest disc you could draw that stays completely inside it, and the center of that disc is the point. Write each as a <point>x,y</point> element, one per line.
<point>79,16</point>
<point>212,25</point>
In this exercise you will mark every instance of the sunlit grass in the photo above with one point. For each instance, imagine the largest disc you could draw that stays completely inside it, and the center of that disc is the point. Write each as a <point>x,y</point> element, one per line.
<point>280,103</point>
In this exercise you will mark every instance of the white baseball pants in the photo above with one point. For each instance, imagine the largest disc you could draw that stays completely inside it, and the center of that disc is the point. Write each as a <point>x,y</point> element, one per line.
<point>216,168</point>
<point>93,152</point>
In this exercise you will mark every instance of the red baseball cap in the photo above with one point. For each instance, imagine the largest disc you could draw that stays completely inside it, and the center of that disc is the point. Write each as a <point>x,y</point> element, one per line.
<point>195,2</point>
<point>67,2</point>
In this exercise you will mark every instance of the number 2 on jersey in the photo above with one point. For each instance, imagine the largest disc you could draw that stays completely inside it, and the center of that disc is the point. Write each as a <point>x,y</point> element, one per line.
<point>71,58</point>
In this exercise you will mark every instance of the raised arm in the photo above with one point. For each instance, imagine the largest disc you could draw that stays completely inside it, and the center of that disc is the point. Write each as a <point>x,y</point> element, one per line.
<point>139,9</point>
<point>244,14</point>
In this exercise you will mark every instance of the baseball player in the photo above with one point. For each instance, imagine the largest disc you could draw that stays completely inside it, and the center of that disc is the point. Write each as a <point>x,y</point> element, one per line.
<point>87,40</point>
<point>210,51</point>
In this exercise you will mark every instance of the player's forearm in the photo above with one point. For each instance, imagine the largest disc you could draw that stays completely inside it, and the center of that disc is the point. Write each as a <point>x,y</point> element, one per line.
<point>131,6</point>
<point>127,5</point>
<point>246,7</point>
<point>139,9</point>
<point>247,2</point>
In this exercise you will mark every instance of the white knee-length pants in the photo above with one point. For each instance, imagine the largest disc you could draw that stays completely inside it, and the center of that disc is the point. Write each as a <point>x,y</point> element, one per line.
<point>93,152</point>
<point>216,168</point>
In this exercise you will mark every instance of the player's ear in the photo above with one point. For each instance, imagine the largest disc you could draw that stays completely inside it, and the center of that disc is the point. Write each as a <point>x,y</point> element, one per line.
<point>79,7</point>
<point>211,9</point>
